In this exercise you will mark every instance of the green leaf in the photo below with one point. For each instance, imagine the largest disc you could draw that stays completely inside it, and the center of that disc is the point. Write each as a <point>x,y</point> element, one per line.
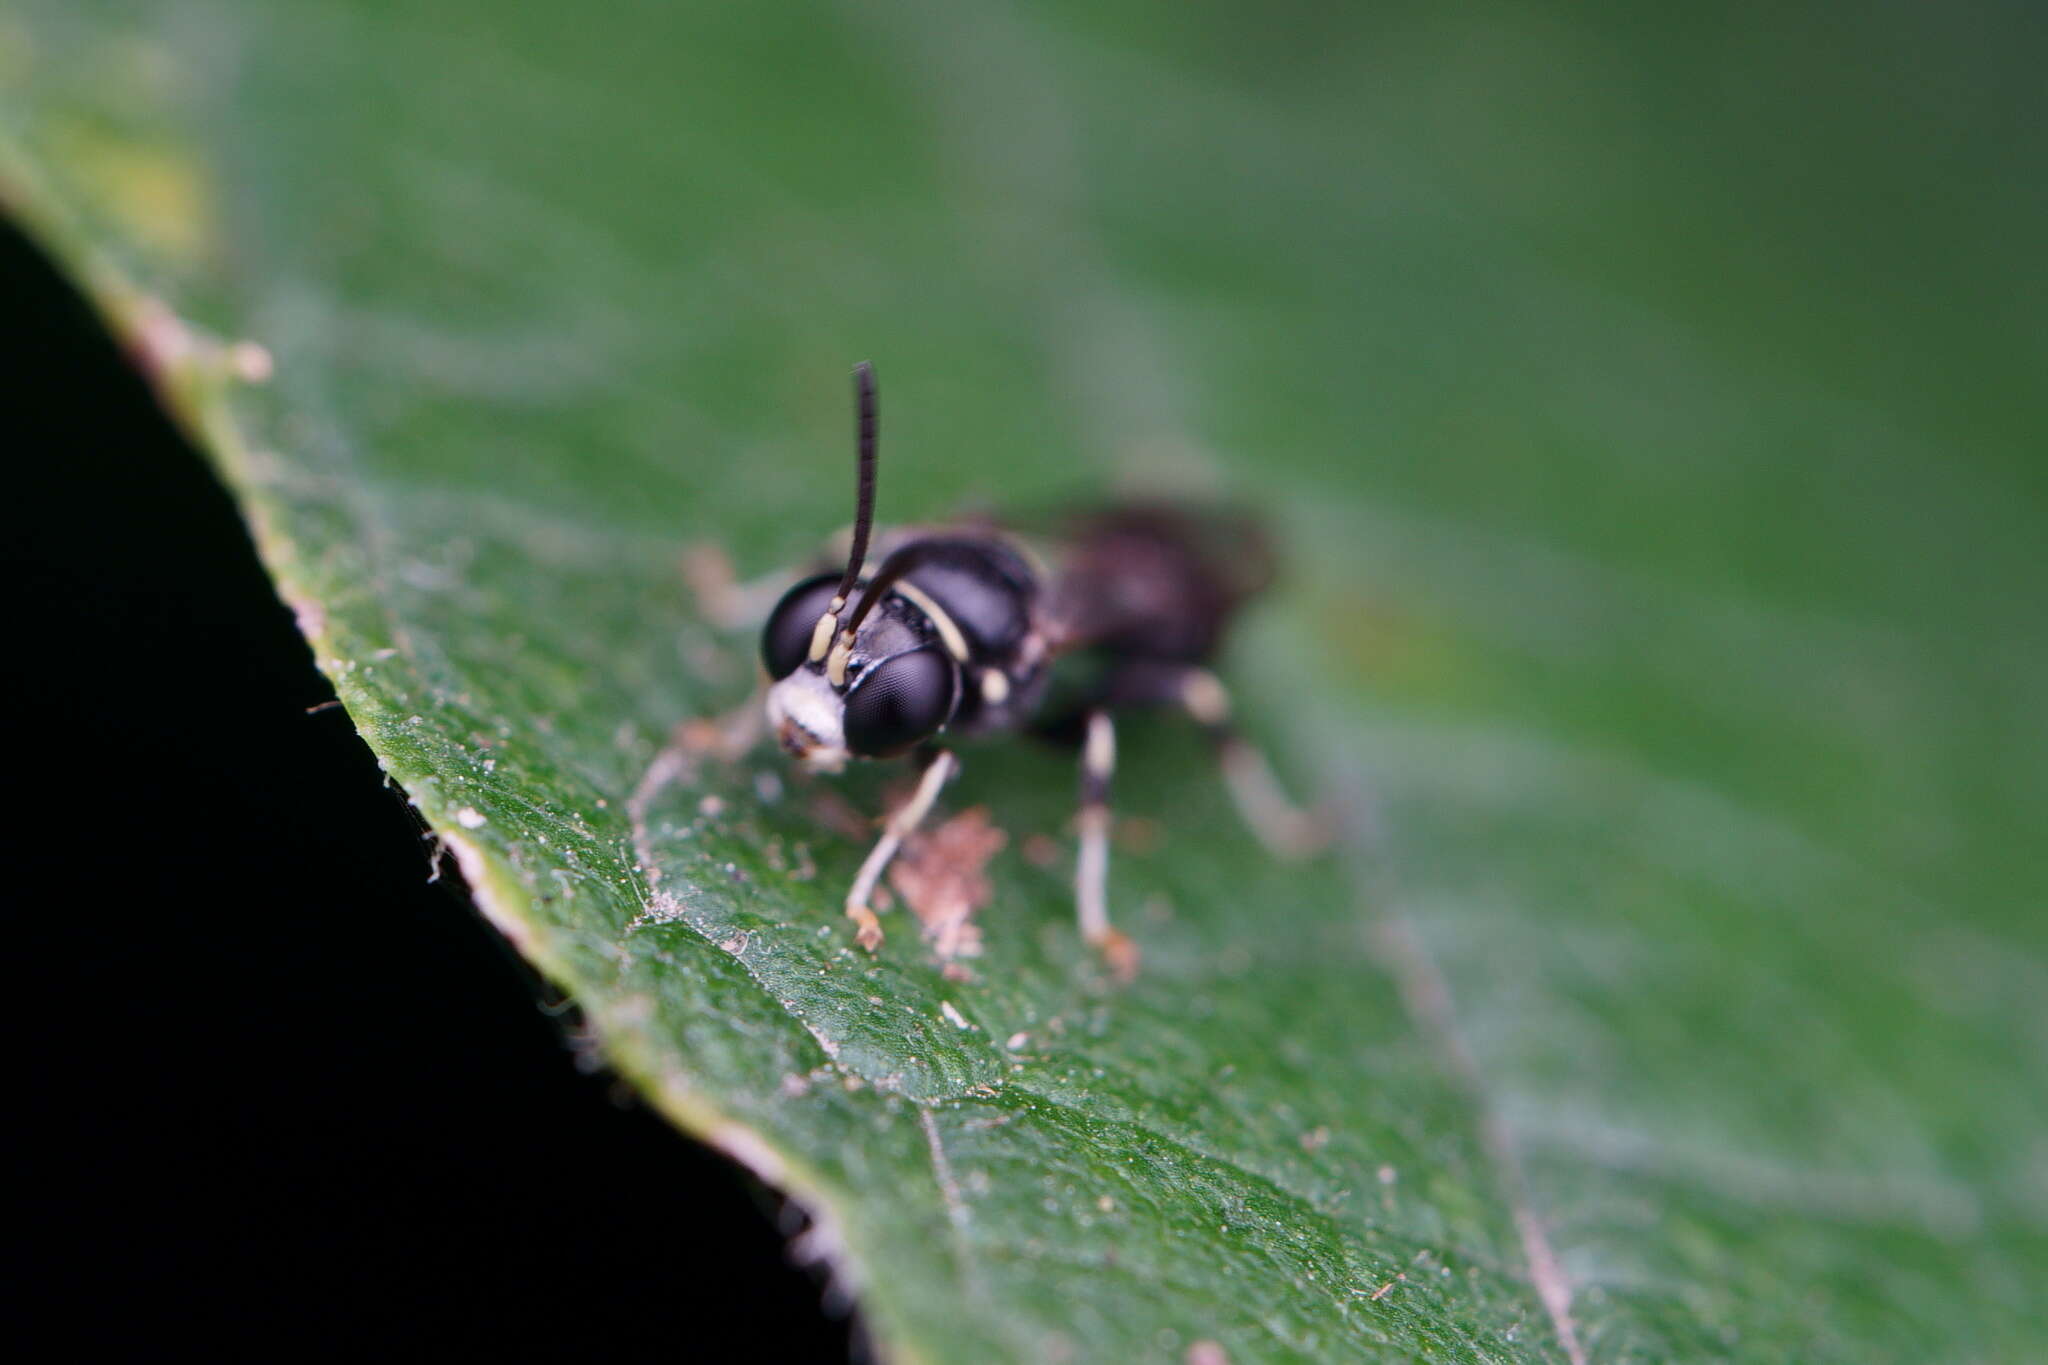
<point>1651,410</point>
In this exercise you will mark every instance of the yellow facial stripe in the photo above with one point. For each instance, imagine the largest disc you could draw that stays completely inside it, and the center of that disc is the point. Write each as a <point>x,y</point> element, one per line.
<point>821,635</point>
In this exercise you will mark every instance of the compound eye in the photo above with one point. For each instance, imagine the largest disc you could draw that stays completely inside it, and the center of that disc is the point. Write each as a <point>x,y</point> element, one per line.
<point>786,640</point>
<point>901,700</point>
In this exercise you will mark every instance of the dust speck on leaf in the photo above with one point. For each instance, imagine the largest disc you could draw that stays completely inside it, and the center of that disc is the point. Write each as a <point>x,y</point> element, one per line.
<point>311,616</point>
<point>251,362</point>
<point>1040,850</point>
<point>1139,834</point>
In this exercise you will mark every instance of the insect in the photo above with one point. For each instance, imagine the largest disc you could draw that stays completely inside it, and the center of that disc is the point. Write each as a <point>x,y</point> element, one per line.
<point>957,630</point>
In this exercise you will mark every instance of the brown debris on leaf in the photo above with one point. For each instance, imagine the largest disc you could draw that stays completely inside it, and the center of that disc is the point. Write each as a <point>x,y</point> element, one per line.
<point>942,876</point>
<point>1041,850</point>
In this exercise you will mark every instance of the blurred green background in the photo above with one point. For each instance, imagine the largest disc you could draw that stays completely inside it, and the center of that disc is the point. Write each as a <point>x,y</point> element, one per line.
<point>1649,399</point>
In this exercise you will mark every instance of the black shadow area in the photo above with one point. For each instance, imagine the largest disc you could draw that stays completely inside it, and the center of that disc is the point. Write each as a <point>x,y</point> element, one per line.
<point>279,1091</point>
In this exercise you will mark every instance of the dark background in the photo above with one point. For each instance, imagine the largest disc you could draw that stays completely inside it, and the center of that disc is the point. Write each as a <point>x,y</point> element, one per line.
<point>283,1089</point>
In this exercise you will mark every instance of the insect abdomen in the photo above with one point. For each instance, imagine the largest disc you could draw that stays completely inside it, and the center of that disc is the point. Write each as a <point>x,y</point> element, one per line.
<point>1158,582</point>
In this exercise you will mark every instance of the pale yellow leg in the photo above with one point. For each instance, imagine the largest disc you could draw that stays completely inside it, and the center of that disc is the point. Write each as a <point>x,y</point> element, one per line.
<point>722,600</point>
<point>1284,828</point>
<point>1091,866</point>
<point>908,816</point>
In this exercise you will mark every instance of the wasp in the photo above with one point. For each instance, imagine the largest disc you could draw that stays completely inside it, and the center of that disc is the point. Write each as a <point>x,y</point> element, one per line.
<point>957,632</point>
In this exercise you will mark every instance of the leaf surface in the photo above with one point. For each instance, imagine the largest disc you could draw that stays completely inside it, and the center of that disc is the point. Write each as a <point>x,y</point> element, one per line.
<point>1661,488</point>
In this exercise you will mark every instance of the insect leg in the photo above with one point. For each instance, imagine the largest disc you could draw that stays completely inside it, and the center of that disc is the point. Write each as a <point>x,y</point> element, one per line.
<point>724,602</point>
<point>1284,828</point>
<point>727,736</point>
<point>1091,867</point>
<point>937,770</point>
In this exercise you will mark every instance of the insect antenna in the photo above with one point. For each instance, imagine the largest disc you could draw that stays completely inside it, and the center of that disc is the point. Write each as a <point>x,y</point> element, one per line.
<point>865,407</point>
<point>864,498</point>
<point>836,652</point>
<point>893,568</point>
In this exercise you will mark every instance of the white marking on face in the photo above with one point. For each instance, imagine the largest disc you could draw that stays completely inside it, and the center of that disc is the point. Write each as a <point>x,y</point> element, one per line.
<point>810,720</point>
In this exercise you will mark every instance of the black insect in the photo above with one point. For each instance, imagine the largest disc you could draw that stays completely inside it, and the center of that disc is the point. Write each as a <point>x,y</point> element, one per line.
<point>956,631</point>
